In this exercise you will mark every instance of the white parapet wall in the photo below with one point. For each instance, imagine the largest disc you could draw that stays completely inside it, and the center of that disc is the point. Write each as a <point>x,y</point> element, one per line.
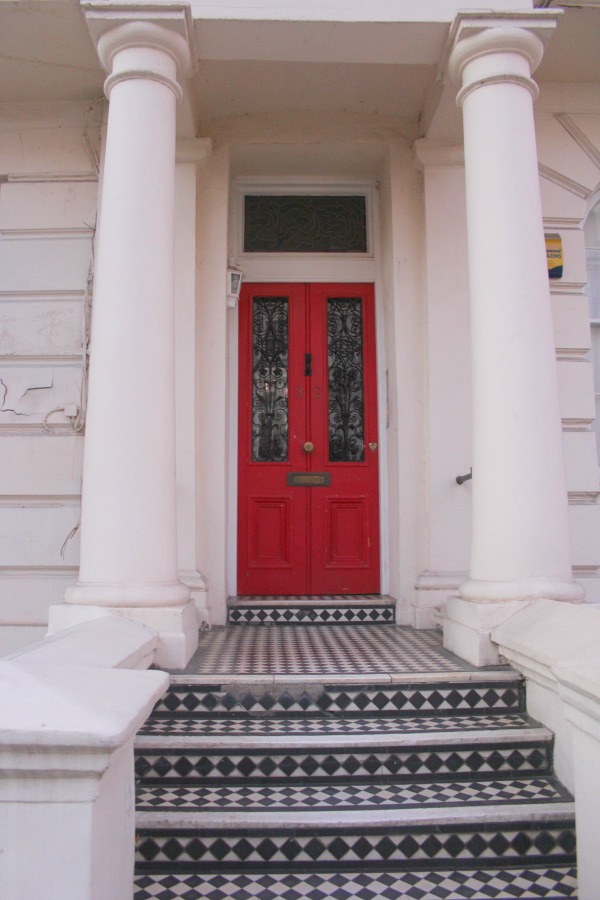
<point>557,647</point>
<point>69,710</point>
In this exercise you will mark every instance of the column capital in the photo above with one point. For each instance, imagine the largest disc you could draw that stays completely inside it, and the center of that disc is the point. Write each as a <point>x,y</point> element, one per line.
<point>165,27</point>
<point>492,49</point>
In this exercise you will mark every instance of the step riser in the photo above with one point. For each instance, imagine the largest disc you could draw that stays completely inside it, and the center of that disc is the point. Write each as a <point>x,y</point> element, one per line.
<point>435,699</point>
<point>341,849</point>
<point>290,614</point>
<point>345,764</point>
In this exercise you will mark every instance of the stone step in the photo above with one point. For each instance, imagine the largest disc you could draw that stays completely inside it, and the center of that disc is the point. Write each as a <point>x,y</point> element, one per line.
<point>545,882</point>
<point>219,759</point>
<point>331,610</point>
<point>301,726</point>
<point>408,839</point>
<point>348,795</point>
<point>500,691</point>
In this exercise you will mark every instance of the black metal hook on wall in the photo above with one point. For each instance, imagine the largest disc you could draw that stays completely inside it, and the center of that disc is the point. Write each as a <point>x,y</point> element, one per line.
<point>460,479</point>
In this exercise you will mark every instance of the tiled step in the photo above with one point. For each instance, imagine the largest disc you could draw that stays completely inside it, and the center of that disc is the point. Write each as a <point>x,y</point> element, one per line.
<point>318,841</point>
<point>330,610</point>
<point>545,882</point>
<point>306,788</point>
<point>349,796</point>
<point>267,726</point>
<point>503,693</point>
<point>525,752</point>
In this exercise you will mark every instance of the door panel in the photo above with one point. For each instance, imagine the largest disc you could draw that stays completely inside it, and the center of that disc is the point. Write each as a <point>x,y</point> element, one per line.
<point>308,416</point>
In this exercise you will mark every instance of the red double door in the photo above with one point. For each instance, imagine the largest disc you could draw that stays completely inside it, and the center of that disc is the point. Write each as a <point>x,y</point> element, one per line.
<point>308,509</point>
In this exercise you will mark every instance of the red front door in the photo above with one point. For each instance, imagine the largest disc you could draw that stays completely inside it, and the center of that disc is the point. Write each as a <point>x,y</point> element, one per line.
<point>308,510</point>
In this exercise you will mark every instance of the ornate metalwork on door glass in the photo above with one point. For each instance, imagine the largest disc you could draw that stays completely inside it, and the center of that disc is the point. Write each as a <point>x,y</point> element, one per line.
<point>270,379</point>
<point>346,379</point>
<point>304,223</point>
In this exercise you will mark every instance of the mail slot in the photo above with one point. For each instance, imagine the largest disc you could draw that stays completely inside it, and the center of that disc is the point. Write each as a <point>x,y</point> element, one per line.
<point>309,479</point>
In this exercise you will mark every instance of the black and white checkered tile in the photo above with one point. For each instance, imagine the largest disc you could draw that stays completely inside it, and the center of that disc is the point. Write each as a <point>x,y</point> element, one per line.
<point>529,758</point>
<point>321,649</point>
<point>323,613</point>
<point>546,883</point>
<point>410,847</point>
<point>301,797</point>
<point>375,790</point>
<point>377,699</point>
<point>266,726</point>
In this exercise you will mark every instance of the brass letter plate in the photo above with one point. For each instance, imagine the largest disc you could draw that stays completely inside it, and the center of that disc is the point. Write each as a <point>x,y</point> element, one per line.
<point>309,479</point>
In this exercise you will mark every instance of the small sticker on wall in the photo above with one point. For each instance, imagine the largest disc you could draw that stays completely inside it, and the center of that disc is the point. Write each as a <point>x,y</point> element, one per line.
<point>554,255</point>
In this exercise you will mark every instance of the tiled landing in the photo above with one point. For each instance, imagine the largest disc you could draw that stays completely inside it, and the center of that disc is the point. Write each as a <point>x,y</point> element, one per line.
<point>314,762</point>
<point>353,651</point>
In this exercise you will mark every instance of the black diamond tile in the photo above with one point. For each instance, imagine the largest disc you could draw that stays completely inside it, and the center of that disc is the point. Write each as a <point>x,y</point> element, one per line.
<point>476,845</point>
<point>338,848</point>
<point>455,845</point>
<point>499,843</point>
<point>219,849</point>
<point>545,842</point>
<point>266,849</point>
<point>432,846</point>
<point>172,849</point>
<point>291,849</point>
<point>409,846</point>
<point>314,848</point>
<point>362,847</point>
<point>267,766</point>
<point>243,849</point>
<point>385,847</point>
<point>196,849</point>
<point>246,766</point>
<point>183,766</point>
<point>567,840</point>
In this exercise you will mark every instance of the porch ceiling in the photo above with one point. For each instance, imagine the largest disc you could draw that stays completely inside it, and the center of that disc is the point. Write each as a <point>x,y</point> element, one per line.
<point>46,54</point>
<point>225,88</point>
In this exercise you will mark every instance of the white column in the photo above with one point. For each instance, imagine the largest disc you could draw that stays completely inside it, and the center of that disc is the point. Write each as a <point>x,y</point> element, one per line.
<point>128,524</point>
<point>520,547</point>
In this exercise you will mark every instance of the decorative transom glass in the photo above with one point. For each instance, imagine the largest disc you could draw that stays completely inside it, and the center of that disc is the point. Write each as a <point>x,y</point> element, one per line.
<point>304,223</point>
<point>270,379</point>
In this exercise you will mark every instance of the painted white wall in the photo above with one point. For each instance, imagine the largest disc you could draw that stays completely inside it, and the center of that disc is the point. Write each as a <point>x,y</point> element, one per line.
<point>47,221</point>
<point>568,135</point>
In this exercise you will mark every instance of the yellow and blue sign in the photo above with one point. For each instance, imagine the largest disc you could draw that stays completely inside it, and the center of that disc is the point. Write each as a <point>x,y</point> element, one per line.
<point>554,255</point>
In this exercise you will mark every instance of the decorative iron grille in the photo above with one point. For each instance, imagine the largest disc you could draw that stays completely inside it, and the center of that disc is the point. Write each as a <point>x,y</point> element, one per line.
<point>270,379</point>
<point>301,223</point>
<point>346,379</point>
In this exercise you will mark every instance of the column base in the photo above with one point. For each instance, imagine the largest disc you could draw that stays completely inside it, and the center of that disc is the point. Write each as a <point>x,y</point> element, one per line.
<point>176,626</point>
<point>468,625</point>
<point>568,591</point>
<point>170,593</point>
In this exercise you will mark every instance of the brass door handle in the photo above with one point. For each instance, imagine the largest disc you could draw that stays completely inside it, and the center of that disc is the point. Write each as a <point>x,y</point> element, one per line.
<point>308,447</point>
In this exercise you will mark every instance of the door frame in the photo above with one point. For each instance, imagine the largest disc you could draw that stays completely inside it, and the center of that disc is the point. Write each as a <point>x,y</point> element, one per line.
<point>307,268</point>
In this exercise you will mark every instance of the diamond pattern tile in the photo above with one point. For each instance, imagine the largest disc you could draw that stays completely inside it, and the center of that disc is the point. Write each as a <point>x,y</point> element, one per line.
<point>323,613</point>
<point>493,884</point>
<point>389,699</point>
<point>349,796</point>
<point>340,763</point>
<point>321,649</point>
<point>417,847</point>
<point>340,776</point>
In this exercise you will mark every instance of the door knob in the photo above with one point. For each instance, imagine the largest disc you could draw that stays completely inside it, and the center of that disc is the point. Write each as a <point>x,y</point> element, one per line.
<point>308,447</point>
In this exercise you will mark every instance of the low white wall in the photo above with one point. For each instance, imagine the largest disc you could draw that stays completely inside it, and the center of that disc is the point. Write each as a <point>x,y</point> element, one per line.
<point>69,710</point>
<point>557,647</point>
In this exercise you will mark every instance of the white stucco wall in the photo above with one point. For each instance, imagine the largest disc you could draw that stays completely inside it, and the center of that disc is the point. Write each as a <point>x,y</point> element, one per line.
<point>48,186</point>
